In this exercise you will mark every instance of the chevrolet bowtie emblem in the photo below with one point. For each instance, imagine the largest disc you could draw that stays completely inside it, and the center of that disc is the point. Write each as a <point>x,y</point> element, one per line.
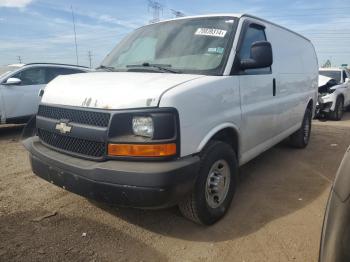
<point>63,128</point>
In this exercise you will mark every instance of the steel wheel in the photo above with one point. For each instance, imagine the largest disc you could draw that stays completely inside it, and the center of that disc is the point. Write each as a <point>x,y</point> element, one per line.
<point>301,137</point>
<point>215,185</point>
<point>218,183</point>
<point>307,129</point>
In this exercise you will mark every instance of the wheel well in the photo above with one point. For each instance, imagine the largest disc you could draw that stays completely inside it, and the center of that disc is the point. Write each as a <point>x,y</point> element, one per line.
<point>342,96</point>
<point>229,136</point>
<point>310,105</point>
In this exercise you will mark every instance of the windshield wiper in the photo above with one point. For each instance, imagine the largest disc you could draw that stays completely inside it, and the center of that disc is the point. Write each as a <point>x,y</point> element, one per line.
<point>106,68</point>
<point>161,67</point>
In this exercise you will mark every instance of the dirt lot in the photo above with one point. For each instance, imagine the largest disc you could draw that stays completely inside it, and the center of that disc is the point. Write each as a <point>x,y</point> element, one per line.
<point>276,215</point>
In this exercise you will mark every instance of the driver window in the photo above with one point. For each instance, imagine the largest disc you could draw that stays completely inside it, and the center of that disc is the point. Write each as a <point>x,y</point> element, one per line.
<point>253,33</point>
<point>32,76</point>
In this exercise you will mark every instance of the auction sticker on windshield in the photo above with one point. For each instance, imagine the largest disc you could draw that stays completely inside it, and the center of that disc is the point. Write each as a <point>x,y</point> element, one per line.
<point>211,32</point>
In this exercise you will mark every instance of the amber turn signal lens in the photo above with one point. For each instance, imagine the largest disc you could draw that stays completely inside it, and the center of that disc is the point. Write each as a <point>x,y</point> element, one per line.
<point>146,150</point>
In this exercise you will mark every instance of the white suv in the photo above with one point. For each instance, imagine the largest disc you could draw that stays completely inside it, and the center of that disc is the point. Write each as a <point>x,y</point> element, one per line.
<point>176,108</point>
<point>334,92</point>
<point>20,85</point>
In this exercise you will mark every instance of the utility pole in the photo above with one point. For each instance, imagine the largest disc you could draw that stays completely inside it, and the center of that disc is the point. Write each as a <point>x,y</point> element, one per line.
<point>19,59</point>
<point>156,8</point>
<point>75,36</point>
<point>90,58</point>
<point>177,13</point>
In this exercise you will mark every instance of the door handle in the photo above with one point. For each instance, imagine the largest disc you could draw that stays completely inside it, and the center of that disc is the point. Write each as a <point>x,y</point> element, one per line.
<point>274,87</point>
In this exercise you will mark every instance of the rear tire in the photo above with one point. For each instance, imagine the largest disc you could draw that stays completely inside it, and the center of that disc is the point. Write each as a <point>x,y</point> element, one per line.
<point>215,185</point>
<point>300,139</point>
<point>337,114</point>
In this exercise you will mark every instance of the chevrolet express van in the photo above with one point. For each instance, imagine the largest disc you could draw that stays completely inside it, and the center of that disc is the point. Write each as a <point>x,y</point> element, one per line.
<point>174,110</point>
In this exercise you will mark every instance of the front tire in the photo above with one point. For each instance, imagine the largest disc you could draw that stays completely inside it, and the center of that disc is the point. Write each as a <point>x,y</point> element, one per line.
<point>337,114</point>
<point>215,185</point>
<point>300,139</point>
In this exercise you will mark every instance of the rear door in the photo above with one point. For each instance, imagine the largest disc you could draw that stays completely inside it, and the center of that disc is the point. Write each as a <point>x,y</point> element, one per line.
<point>257,94</point>
<point>22,100</point>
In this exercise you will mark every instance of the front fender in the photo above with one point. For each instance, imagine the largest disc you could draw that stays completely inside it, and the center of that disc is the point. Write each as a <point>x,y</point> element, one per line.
<point>214,131</point>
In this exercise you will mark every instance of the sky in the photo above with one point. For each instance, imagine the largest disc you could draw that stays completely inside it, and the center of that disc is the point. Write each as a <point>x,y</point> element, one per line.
<point>42,30</point>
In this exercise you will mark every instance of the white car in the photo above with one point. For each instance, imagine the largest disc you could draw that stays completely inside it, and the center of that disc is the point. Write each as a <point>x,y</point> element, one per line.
<point>334,92</point>
<point>177,107</point>
<point>20,85</point>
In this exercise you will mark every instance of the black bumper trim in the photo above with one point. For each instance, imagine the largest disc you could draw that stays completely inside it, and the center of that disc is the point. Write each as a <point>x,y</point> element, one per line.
<point>125,183</point>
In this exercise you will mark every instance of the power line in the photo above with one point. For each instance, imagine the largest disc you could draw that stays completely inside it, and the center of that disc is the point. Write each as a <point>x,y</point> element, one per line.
<point>325,8</point>
<point>324,31</point>
<point>329,33</point>
<point>177,13</point>
<point>335,53</point>
<point>345,9</point>
<point>332,15</point>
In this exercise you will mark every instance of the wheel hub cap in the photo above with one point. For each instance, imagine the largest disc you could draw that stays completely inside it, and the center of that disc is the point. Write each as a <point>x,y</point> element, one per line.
<point>218,183</point>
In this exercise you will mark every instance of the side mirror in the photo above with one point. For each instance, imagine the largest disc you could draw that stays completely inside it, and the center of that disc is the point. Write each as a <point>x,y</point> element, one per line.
<point>41,93</point>
<point>260,56</point>
<point>347,80</point>
<point>12,81</point>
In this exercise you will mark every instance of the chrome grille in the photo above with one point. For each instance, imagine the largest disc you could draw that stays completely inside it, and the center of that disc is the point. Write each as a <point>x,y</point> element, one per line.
<point>85,117</point>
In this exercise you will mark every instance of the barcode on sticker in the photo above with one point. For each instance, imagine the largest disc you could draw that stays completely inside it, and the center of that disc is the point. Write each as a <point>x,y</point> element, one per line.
<point>211,32</point>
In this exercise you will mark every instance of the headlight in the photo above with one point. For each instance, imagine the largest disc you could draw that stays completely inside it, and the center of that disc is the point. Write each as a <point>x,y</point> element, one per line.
<point>146,133</point>
<point>143,126</point>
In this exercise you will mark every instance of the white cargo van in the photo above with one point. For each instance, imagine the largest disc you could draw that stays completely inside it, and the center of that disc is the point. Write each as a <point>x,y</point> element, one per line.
<point>173,112</point>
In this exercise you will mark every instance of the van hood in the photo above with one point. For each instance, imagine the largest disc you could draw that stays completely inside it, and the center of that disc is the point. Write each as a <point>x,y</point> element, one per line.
<point>112,90</point>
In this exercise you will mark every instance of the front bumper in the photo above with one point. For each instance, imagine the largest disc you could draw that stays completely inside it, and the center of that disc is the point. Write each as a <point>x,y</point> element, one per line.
<point>324,108</point>
<point>326,103</point>
<point>124,183</point>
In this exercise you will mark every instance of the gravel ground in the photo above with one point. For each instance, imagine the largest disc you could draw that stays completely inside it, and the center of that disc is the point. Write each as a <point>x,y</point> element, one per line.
<point>276,215</point>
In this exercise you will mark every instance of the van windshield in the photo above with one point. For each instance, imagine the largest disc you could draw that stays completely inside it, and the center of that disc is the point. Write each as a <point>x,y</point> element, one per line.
<point>196,46</point>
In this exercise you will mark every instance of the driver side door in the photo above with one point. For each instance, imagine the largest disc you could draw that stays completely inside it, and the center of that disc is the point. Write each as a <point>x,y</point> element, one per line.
<point>21,100</point>
<point>258,101</point>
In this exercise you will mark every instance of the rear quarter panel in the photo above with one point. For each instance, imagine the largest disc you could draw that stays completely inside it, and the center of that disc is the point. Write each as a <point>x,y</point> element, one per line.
<point>295,67</point>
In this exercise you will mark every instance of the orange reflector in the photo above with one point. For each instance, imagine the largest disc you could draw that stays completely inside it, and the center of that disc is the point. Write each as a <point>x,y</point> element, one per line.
<point>154,150</point>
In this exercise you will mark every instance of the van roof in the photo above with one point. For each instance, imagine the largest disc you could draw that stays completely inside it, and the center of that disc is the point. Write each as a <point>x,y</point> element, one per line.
<point>237,15</point>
